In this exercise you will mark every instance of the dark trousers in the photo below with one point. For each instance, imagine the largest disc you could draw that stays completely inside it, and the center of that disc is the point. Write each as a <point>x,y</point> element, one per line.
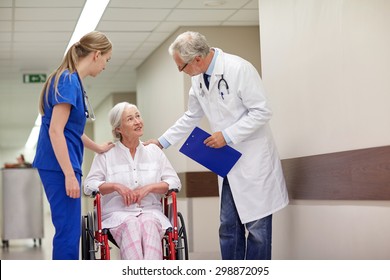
<point>234,243</point>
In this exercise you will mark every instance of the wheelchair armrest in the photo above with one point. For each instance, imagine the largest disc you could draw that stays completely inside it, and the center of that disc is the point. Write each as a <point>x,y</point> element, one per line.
<point>169,192</point>
<point>94,194</point>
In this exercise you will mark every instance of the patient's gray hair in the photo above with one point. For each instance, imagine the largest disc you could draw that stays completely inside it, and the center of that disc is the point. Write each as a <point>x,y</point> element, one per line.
<point>115,117</point>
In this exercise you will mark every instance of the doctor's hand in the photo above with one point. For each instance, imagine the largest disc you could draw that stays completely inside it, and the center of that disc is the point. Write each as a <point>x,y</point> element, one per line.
<point>216,140</point>
<point>153,141</point>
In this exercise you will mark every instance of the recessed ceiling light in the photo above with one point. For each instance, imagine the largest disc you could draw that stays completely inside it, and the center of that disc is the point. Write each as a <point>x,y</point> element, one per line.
<point>214,3</point>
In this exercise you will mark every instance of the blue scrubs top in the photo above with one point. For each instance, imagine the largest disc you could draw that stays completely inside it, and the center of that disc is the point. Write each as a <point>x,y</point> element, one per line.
<point>71,92</point>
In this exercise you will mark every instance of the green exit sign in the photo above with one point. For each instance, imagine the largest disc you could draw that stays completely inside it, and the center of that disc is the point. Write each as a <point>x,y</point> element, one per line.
<point>34,78</point>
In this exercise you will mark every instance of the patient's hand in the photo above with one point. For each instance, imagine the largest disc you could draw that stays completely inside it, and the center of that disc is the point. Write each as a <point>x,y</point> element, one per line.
<point>141,192</point>
<point>129,196</point>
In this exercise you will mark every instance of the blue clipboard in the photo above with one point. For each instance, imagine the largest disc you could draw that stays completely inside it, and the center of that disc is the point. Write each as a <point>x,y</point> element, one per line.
<point>219,160</point>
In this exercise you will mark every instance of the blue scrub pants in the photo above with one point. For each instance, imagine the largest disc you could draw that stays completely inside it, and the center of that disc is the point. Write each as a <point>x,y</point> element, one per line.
<point>235,243</point>
<point>65,215</point>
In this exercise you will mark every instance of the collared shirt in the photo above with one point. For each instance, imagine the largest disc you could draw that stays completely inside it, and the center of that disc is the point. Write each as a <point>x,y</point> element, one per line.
<point>210,69</point>
<point>150,165</point>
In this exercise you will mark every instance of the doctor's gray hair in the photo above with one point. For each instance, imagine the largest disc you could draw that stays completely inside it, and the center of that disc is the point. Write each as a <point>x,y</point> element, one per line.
<point>189,45</point>
<point>115,117</point>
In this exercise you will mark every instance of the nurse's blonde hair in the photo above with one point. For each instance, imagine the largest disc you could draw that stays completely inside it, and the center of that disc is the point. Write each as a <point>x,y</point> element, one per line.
<point>92,41</point>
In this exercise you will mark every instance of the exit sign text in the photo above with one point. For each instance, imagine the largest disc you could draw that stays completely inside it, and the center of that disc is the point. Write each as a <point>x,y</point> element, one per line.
<point>34,78</point>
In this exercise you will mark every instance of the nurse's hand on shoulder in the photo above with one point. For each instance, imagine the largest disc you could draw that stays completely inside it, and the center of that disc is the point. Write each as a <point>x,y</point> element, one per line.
<point>72,186</point>
<point>105,147</point>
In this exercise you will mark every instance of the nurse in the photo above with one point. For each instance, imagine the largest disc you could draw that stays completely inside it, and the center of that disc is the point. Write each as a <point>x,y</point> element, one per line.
<point>229,92</point>
<point>61,141</point>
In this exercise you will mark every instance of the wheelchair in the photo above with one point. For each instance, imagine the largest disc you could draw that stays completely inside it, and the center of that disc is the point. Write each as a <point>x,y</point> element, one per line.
<point>95,239</point>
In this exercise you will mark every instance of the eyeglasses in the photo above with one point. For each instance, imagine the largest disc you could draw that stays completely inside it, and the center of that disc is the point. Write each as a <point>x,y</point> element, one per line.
<point>185,65</point>
<point>89,110</point>
<point>182,68</point>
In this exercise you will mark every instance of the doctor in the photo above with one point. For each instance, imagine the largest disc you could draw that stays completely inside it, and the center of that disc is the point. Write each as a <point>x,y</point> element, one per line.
<point>229,91</point>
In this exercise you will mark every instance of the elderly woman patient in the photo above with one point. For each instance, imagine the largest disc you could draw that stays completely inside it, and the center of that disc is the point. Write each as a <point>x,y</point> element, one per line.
<point>132,178</point>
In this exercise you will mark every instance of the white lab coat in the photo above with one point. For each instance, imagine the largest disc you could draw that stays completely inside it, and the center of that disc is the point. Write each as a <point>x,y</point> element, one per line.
<point>257,182</point>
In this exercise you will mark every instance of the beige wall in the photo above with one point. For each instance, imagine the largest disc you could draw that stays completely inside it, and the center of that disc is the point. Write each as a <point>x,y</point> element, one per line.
<point>326,67</point>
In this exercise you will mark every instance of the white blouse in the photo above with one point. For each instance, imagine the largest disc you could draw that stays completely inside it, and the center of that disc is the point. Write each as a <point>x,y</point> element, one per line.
<point>150,165</point>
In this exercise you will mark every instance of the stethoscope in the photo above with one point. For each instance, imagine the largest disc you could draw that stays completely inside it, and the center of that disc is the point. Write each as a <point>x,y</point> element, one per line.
<point>89,113</point>
<point>221,83</point>
<point>222,80</point>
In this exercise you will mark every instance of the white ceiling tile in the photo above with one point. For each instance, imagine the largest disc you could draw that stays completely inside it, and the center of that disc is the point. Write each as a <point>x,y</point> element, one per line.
<point>5,46</point>
<point>42,36</point>
<point>200,15</point>
<point>6,3</point>
<point>245,15</point>
<point>126,37</point>
<point>47,3</point>
<point>202,23</point>
<point>23,26</point>
<point>151,4</point>
<point>127,25</point>
<point>240,23</point>
<point>5,36</point>
<point>254,4</point>
<point>6,13</point>
<point>133,62</point>
<point>141,54</point>
<point>117,60</point>
<point>149,46</point>
<point>36,47</point>
<point>52,14</point>
<point>227,4</point>
<point>120,49</point>
<point>4,56</point>
<point>168,26</point>
<point>5,26</point>
<point>136,14</point>
<point>158,37</point>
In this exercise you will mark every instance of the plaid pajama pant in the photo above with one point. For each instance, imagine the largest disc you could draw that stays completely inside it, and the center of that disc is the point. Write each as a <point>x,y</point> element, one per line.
<point>139,238</point>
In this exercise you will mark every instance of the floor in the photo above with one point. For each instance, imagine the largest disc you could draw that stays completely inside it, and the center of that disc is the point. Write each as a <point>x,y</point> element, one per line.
<point>25,249</point>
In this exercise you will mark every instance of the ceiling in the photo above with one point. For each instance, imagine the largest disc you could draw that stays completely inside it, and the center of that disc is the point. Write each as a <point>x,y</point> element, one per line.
<point>35,34</point>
